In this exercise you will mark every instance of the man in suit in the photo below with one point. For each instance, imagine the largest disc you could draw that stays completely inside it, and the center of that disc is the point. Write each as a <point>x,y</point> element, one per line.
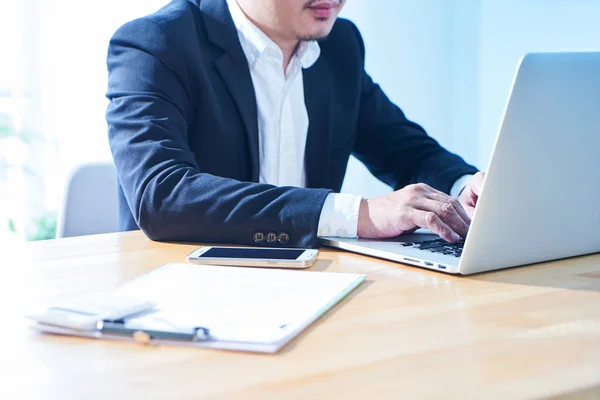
<point>232,121</point>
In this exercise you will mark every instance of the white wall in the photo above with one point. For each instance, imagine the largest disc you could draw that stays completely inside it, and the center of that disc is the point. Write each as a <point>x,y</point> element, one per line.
<point>75,36</point>
<point>511,28</point>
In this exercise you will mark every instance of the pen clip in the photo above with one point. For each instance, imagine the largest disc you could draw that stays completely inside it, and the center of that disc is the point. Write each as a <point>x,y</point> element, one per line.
<point>202,334</point>
<point>146,336</point>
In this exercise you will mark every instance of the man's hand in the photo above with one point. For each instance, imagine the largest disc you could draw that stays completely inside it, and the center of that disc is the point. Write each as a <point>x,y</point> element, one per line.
<point>412,207</point>
<point>470,194</point>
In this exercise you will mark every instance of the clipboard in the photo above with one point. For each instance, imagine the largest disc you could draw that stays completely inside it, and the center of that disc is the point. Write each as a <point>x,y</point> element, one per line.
<point>230,308</point>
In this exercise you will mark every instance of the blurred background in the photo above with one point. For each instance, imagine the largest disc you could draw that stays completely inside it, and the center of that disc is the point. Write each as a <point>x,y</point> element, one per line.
<point>447,63</point>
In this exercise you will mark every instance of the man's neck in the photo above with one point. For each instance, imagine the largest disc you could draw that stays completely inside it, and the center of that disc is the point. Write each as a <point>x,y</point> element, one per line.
<point>287,46</point>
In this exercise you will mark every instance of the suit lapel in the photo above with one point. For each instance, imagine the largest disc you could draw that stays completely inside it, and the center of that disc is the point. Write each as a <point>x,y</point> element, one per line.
<point>318,98</point>
<point>237,78</point>
<point>233,68</point>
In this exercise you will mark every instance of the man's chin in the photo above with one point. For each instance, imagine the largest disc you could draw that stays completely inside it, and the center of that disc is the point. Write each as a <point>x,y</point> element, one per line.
<point>317,35</point>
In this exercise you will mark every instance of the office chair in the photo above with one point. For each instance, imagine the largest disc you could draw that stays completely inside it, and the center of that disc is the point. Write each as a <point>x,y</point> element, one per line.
<point>90,202</point>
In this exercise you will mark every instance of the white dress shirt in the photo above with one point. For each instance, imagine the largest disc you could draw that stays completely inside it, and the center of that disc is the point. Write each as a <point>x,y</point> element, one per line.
<point>283,120</point>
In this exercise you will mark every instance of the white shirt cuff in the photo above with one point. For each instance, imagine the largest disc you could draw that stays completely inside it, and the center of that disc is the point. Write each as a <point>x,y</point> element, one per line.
<point>339,216</point>
<point>459,185</point>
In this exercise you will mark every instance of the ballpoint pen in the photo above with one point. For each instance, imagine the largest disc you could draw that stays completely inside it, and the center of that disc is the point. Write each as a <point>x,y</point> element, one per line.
<point>143,335</point>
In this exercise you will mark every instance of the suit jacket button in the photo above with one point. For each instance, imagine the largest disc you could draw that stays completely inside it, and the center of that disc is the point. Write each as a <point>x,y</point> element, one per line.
<point>258,237</point>
<point>271,237</point>
<point>283,238</point>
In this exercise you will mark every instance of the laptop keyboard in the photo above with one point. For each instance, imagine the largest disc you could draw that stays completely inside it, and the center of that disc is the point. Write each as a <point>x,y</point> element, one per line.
<point>438,246</point>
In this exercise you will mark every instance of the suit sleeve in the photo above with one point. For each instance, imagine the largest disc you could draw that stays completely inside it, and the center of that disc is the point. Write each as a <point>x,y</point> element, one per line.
<point>396,150</point>
<point>169,197</point>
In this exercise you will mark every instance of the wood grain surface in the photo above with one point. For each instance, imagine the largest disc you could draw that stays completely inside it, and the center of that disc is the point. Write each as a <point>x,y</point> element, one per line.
<point>529,332</point>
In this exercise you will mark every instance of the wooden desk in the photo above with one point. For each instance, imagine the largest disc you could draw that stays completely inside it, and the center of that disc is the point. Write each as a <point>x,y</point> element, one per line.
<point>522,333</point>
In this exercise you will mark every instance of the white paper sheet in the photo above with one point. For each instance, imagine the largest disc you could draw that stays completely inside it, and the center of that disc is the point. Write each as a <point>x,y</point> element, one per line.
<point>239,304</point>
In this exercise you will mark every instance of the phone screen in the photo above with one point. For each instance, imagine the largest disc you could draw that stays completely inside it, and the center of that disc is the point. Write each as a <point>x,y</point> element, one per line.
<point>252,253</point>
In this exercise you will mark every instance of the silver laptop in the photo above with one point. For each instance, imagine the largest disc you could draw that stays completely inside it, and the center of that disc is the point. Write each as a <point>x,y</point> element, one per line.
<point>541,196</point>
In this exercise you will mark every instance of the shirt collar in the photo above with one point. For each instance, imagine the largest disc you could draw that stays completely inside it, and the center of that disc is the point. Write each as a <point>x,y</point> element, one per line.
<point>255,42</point>
<point>308,53</point>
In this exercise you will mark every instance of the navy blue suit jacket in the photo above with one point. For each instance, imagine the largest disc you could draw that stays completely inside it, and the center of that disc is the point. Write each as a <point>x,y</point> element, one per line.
<point>183,131</point>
